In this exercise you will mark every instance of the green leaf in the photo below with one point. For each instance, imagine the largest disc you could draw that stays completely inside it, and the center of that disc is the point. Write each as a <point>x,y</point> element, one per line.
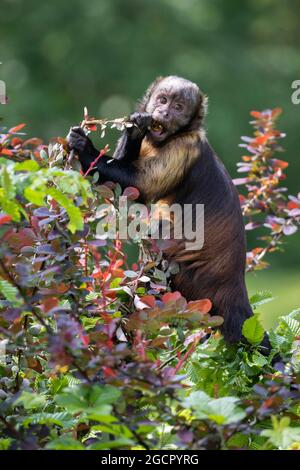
<point>253,330</point>
<point>114,429</point>
<point>238,440</point>
<point>10,292</point>
<point>68,185</point>
<point>293,325</point>
<point>294,314</point>
<point>90,399</point>
<point>76,220</point>
<point>65,443</point>
<point>288,328</point>
<point>117,443</point>
<point>220,410</point>
<point>35,196</point>
<point>92,296</point>
<point>28,165</point>
<point>57,384</point>
<point>5,443</point>
<point>276,340</point>
<point>11,208</point>
<point>261,298</point>
<point>31,400</point>
<point>7,184</point>
<point>259,360</point>
<point>62,419</point>
<point>282,435</point>
<point>258,443</point>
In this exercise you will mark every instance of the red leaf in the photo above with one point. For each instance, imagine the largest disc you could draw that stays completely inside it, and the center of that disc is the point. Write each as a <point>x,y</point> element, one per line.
<point>105,192</point>
<point>149,300</point>
<point>202,306</point>
<point>15,129</point>
<point>34,364</point>
<point>276,112</point>
<point>257,250</point>
<point>6,152</point>
<point>108,372</point>
<point>279,164</point>
<point>131,192</point>
<point>171,297</point>
<point>4,218</point>
<point>261,140</point>
<point>256,114</point>
<point>91,127</point>
<point>293,205</point>
<point>49,303</point>
<point>16,141</point>
<point>85,339</point>
<point>33,141</point>
<point>18,240</point>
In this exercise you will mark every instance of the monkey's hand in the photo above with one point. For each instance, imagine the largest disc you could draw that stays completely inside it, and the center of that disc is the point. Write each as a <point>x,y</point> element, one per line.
<point>83,146</point>
<point>80,142</point>
<point>141,124</point>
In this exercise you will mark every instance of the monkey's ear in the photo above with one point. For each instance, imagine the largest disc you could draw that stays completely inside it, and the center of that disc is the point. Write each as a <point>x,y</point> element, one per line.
<point>142,103</point>
<point>201,112</point>
<point>203,107</point>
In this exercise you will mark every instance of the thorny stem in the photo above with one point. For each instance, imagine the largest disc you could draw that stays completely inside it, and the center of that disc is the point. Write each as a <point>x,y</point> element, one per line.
<point>186,355</point>
<point>101,153</point>
<point>103,122</point>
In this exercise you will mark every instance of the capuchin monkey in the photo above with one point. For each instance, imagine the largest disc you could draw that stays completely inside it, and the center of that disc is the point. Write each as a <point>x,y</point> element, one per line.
<point>166,155</point>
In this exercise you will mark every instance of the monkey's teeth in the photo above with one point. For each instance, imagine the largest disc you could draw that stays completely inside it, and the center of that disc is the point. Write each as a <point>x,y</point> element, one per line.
<point>157,127</point>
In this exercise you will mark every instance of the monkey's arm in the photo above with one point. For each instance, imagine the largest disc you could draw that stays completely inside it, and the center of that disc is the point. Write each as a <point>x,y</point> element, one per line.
<point>128,147</point>
<point>121,171</point>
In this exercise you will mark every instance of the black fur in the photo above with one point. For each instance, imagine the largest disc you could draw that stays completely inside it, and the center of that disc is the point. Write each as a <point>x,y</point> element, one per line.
<point>217,270</point>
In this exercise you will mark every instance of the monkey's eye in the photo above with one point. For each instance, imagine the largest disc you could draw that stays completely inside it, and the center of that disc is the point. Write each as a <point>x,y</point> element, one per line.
<point>163,99</point>
<point>178,107</point>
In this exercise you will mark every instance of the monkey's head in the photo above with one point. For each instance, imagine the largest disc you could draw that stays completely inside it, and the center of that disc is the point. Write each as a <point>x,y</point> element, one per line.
<point>176,105</point>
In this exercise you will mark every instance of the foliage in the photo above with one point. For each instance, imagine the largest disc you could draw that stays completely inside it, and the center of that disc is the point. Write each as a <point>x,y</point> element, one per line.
<point>265,204</point>
<point>98,354</point>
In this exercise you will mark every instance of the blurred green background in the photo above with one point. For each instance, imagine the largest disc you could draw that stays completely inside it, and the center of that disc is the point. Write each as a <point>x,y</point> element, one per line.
<point>59,56</point>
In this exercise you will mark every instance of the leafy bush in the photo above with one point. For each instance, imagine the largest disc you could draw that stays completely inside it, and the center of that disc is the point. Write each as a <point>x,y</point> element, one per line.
<point>98,354</point>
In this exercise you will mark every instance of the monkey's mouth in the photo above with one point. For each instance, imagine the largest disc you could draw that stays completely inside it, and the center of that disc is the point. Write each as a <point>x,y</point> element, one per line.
<point>157,128</point>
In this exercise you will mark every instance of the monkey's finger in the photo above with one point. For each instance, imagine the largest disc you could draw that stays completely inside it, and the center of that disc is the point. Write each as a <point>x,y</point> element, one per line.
<point>78,130</point>
<point>141,120</point>
<point>74,136</point>
<point>76,141</point>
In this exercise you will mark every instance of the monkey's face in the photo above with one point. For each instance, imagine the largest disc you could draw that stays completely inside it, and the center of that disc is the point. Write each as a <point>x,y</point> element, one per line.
<point>172,104</point>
